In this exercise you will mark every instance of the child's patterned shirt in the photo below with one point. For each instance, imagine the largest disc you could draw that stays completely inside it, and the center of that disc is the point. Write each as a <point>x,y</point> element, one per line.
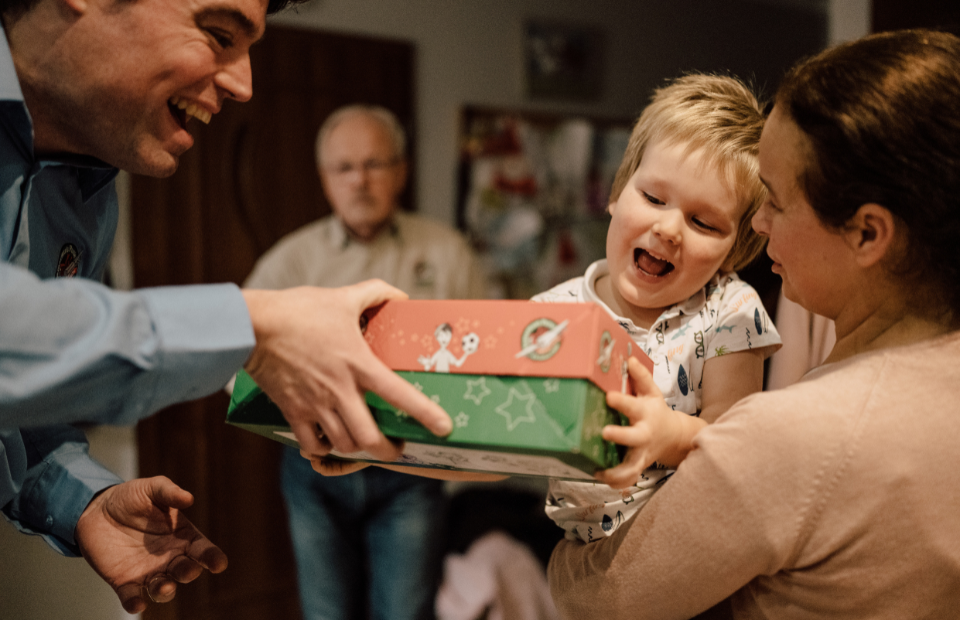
<point>725,316</point>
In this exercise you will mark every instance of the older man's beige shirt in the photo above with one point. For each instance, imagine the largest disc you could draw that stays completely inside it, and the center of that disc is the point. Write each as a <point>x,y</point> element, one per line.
<point>423,258</point>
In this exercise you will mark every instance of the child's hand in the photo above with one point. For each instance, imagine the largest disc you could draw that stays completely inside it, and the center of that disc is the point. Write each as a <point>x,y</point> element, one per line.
<point>656,432</point>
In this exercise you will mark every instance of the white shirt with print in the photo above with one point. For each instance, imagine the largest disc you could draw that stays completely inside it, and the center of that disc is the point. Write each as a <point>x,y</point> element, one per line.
<point>725,316</point>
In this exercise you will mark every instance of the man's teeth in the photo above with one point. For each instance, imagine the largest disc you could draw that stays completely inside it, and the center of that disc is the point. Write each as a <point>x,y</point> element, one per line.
<point>192,109</point>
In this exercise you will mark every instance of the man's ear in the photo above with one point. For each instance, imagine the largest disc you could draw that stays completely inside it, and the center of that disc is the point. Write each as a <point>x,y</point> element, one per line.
<point>871,233</point>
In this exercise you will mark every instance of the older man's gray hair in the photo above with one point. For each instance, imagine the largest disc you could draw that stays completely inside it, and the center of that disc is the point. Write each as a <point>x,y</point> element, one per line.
<point>386,118</point>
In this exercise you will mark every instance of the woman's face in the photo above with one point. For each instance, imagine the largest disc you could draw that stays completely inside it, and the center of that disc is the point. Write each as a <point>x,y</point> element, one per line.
<point>813,260</point>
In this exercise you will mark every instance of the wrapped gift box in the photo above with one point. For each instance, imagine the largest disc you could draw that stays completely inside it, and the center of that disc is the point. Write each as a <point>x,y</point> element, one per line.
<point>523,382</point>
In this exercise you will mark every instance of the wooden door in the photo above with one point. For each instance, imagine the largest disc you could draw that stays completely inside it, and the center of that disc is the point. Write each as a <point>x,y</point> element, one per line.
<point>897,14</point>
<point>249,179</point>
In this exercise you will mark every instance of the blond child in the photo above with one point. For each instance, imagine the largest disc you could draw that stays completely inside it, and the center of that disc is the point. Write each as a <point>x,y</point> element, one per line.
<point>681,207</point>
<point>683,199</point>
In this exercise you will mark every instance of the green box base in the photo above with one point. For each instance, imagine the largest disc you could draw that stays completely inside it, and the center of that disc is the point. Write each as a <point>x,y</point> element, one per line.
<point>527,426</point>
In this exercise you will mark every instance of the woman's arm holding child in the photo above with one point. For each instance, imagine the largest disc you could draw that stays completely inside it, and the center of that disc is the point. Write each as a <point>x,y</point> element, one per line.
<point>659,434</point>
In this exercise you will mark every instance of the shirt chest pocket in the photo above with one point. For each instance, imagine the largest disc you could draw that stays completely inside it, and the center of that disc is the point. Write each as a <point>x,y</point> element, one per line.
<point>423,278</point>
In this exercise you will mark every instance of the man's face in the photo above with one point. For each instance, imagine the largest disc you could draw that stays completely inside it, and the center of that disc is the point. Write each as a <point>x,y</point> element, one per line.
<point>362,174</point>
<point>133,73</point>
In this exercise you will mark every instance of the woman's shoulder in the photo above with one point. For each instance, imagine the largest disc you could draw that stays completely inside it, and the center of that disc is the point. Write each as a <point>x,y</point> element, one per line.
<point>842,390</point>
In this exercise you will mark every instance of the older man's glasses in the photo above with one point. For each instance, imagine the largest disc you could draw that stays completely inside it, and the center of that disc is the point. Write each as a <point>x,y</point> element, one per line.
<point>372,167</point>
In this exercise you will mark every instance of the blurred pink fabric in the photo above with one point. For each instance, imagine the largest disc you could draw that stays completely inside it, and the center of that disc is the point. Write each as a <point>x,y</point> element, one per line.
<point>498,578</point>
<point>807,340</point>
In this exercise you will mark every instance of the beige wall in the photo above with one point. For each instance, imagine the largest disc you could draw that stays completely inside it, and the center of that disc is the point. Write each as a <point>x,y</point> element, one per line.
<point>469,51</point>
<point>36,583</point>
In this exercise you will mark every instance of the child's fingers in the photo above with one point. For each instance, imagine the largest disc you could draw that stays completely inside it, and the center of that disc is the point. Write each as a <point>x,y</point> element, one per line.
<point>619,400</point>
<point>626,473</point>
<point>642,379</point>
<point>633,407</point>
<point>629,436</point>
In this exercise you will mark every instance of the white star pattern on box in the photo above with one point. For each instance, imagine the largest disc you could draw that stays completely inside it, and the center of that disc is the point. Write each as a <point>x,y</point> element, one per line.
<point>435,398</point>
<point>461,420</point>
<point>418,386</point>
<point>527,415</point>
<point>401,414</point>
<point>594,421</point>
<point>551,385</point>
<point>481,390</point>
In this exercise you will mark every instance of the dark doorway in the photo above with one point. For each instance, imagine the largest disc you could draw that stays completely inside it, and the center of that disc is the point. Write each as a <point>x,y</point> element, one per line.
<point>249,179</point>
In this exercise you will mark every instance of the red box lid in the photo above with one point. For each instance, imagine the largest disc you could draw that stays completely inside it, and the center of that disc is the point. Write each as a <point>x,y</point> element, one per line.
<point>523,338</point>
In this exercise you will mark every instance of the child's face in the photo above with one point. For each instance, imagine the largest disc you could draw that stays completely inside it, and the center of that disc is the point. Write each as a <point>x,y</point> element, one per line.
<point>673,226</point>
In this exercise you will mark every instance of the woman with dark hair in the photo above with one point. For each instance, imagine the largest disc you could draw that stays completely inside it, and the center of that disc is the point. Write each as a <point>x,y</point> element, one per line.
<point>838,497</point>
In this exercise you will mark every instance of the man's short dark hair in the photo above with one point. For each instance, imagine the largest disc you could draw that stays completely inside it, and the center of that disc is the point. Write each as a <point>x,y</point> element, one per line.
<point>18,7</point>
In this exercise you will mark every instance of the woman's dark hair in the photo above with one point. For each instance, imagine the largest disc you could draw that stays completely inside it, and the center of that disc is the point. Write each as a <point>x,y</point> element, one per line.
<point>882,116</point>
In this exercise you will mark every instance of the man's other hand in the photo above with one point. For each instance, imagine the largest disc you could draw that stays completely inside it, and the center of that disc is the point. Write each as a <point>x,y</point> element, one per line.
<point>136,538</point>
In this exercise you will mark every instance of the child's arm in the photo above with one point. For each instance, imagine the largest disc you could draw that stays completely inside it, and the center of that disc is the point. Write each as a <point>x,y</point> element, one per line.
<point>659,434</point>
<point>727,379</point>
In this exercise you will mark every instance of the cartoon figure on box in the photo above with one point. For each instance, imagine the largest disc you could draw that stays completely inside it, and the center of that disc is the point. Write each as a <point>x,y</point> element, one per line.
<point>440,361</point>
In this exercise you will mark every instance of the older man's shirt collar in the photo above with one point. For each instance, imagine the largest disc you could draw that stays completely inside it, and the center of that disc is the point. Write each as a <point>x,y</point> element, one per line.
<point>342,238</point>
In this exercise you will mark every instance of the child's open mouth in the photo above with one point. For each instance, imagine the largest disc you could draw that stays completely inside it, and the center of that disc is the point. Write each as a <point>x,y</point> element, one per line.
<point>650,264</point>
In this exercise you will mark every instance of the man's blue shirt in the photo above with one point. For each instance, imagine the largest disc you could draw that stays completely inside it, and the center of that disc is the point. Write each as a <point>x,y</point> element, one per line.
<point>73,350</point>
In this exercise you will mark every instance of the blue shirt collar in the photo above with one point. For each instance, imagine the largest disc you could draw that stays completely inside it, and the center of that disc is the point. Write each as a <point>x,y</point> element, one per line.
<point>9,84</point>
<point>17,119</point>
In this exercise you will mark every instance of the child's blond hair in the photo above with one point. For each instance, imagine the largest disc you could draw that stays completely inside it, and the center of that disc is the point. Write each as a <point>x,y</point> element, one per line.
<point>722,116</point>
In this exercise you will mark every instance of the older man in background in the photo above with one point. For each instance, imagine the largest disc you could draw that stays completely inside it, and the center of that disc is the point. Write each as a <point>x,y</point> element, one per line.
<point>367,545</point>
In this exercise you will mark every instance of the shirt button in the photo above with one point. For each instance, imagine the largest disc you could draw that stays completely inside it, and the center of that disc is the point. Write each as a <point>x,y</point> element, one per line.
<point>49,521</point>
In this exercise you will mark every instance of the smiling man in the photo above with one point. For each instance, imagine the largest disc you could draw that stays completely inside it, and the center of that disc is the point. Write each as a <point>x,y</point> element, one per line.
<point>87,87</point>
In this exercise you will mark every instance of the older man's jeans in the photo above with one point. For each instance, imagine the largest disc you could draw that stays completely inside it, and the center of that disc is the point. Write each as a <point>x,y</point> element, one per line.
<point>367,545</point>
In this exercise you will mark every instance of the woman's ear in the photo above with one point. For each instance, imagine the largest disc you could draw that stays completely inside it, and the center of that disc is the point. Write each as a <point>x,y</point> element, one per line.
<point>871,233</point>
